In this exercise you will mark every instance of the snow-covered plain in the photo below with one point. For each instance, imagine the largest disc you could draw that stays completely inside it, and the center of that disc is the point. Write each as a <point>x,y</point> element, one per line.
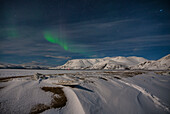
<point>98,92</point>
<point>24,72</point>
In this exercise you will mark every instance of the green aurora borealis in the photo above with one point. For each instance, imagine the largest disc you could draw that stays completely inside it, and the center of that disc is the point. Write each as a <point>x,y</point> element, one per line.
<point>65,44</point>
<point>56,40</point>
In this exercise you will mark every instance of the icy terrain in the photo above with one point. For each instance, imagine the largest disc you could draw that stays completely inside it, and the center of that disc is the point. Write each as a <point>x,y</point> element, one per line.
<point>24,72</point>
<point>86,92</point>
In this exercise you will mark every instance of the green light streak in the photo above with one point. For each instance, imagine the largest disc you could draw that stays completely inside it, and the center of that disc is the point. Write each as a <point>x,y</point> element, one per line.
<point>67,46</point>
<point>53,39</point>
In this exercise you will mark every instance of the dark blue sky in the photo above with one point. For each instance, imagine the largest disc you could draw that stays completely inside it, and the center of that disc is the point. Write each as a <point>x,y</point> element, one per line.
<point>89,28</point>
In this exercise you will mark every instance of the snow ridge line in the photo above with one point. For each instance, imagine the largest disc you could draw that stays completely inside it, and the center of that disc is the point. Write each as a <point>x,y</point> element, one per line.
<point>73,101</point>
<point>155,99</point>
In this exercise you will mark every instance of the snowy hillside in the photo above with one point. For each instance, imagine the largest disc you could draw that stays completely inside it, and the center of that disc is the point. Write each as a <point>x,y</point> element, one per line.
<point>103,63</point>
<point>21,66</point>
<point>161,64</point>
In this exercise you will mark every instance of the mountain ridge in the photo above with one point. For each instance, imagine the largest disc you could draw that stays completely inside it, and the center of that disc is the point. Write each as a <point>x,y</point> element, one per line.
<point>119,62</point>
<point>106,63</point>
<point>160,64</point>
<point>102,63</point>
<point>21,66</point>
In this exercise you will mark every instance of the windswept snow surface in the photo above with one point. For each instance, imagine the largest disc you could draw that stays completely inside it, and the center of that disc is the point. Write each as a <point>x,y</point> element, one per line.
<point>98,92</point>
<point>155,99</point>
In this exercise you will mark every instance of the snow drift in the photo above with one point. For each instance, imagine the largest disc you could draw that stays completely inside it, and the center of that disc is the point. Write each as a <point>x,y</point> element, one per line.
<point>99,92</point>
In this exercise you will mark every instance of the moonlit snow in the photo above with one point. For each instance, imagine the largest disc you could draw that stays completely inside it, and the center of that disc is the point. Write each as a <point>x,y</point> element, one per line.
<point>101,91</point>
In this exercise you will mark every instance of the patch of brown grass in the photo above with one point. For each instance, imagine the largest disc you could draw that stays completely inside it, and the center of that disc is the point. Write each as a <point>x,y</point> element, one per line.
<point>55,90</point>
<point>2,87</point>
<point>60,74</point>
<point>103,78</point>
<point>56,102</point>
<point>5,80</point>
<point>39,108</point>
<point>163,73</point>
<point>117,77</point>
<point>81,78</point>
<point>131,74</point>
<point>123,74</point>
<point>110,72</point>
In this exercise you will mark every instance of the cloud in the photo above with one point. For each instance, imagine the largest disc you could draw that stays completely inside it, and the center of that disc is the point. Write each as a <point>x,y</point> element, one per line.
<point>58,57</point>
<point>93,56</point>
<point>135,42</point>
<point>33,63</point>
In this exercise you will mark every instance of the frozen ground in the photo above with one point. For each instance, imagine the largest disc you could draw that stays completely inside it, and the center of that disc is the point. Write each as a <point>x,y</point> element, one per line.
<point>23,72</point>
<point>87,92</point>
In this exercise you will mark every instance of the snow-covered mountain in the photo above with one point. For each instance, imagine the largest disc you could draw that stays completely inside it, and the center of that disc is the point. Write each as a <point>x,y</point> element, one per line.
<point>161,64</point>
<point>102,63</point>
<point>110,63</point>
<point>21,66</point>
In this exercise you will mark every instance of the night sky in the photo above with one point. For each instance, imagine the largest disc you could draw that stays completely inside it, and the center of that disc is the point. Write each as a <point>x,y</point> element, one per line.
<point>50,32</point>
